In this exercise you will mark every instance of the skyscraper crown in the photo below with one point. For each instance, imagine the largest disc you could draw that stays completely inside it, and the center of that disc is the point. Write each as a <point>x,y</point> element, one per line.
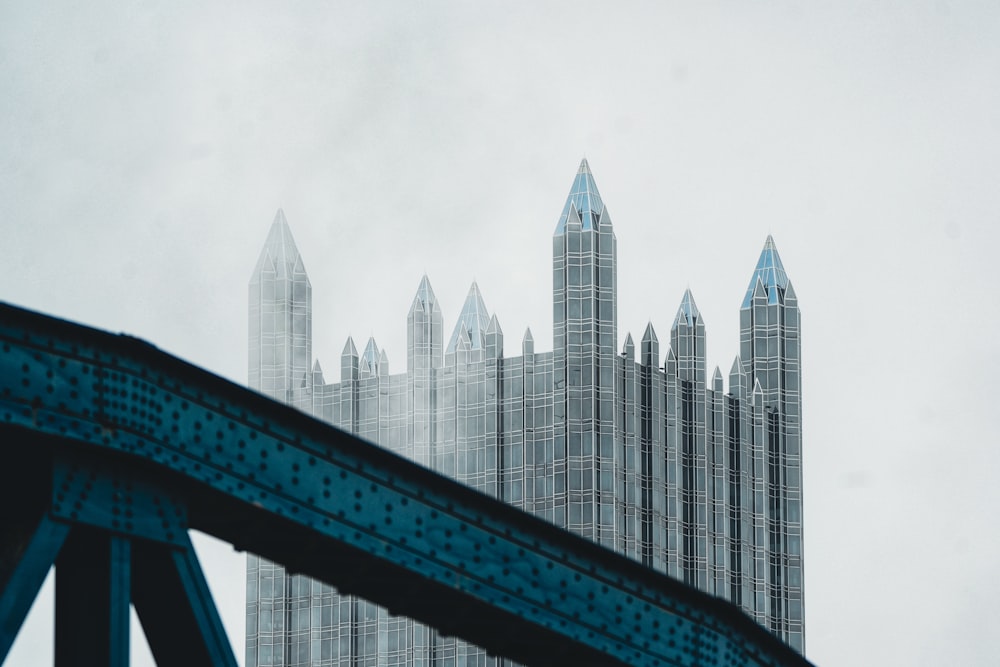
<point>424,300</point>
<point>474,320</point>
<point>770,273</point>
<point>584,201</point>
<point>370,358</point>
<point>280,252</point>
<point>687,313</point>
<point>649,336</point>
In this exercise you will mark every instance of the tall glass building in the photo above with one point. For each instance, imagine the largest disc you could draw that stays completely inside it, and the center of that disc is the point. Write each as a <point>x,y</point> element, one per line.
<point>641,452</point>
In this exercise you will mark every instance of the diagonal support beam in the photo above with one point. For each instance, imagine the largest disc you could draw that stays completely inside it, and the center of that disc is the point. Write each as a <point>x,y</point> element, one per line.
<point>93,581</point>
<point>176,609</point>
<point>27,551</point>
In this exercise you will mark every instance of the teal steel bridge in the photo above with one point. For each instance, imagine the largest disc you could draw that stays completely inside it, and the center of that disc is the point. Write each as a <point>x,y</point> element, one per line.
<point>112,450</point>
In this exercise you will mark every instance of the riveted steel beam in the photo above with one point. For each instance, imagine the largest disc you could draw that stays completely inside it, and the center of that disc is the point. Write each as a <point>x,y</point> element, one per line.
<point>272,480</point>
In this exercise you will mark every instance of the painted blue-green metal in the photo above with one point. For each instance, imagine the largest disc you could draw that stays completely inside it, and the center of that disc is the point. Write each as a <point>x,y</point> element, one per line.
<point>116,539</point>
<point>174,605</point>
<point>28,550</point>
<point>199,451</point>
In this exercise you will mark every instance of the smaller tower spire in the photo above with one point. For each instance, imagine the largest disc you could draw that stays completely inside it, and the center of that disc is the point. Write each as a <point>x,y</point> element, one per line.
<point>687,313</point>
<point>349,349</point>
<point>738,379</point>
<point>650,347</point>
<point>494,339</point>
<point>370,359</point>
<point>424,300</point>
<point>473,320</point>
<point>629,350</point>
<point>349,361</point>
<point>317,375</point>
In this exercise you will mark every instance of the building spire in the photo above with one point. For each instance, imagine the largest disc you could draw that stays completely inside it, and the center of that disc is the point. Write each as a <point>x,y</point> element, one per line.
<point>424,300</point>
<point>771,273</point>
<point>474,321</point>
<point>688,312</point>
<point>370,359</point>
<point>628,351</point>
<point>584,202</point>
<point>279,252</point>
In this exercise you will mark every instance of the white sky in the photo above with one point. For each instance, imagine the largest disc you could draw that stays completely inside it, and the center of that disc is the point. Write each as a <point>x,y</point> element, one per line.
<point>144,151</point>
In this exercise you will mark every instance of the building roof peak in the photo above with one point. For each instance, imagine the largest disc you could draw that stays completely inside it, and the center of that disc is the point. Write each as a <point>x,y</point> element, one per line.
<point>770,272</point>
<point>474,320</point>
<point>494,326</point>
<point>649,335</point>
<point>370,357</point>
<point>584,202</point>
<point>687,312</point>
<point>349,349</point>
<point>425,300</point>
<point>280,253</point>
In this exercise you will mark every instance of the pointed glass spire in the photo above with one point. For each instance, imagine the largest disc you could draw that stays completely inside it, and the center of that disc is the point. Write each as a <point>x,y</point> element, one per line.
<point>424,300</point>
<point>688,312</point>
<point>737,379</point>
<point>494,338</point>
<point>474,321</point>
<point>650,347</point>
<point>670,363</point>
<point>280,252</point>
<point>628,351</point>
<point>584,201</point>
<point>370,358</point>
<point>790,293</point>
<point>771,274</point>
<point>464,343</point>
<point>349,349</point>
<point>649,336</point>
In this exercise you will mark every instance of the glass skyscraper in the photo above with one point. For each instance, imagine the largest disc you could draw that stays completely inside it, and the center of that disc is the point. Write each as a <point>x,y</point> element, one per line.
<point>654,459</point>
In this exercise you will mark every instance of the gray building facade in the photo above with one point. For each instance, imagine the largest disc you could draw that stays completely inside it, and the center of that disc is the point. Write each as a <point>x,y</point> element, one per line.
<point>642,452</point>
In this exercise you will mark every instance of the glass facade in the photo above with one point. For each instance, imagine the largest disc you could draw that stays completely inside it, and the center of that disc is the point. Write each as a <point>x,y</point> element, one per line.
<point>658,462</point>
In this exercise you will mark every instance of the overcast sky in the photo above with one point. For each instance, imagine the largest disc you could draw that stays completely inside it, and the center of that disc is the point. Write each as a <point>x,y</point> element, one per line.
<point>144,150</point>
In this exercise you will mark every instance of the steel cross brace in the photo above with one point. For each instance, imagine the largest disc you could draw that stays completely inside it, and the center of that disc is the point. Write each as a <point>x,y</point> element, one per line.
<point>114,541</point>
